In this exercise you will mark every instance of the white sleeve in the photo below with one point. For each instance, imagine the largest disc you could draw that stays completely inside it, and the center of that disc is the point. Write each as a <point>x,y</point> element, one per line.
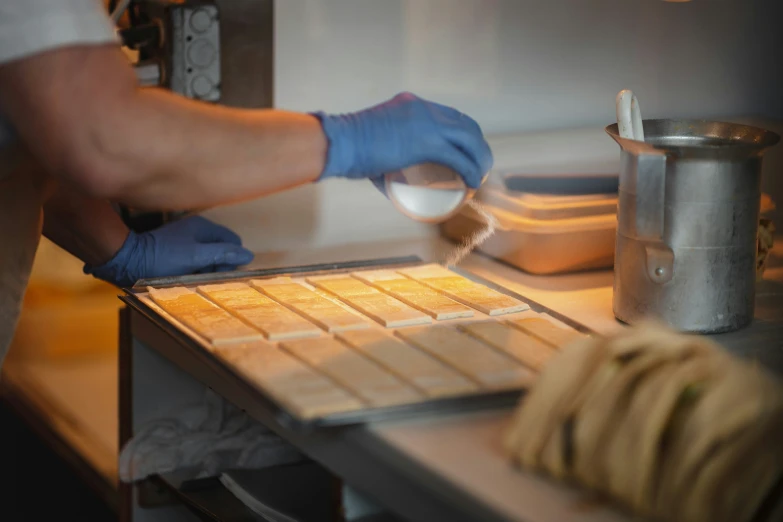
<point>28,27</point>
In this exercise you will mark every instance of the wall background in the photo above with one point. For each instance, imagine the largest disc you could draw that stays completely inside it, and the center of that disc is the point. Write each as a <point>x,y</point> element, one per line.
<point>516,66</point>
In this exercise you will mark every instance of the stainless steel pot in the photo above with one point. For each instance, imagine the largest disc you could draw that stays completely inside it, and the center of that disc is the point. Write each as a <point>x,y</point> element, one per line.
<point>687,224</point>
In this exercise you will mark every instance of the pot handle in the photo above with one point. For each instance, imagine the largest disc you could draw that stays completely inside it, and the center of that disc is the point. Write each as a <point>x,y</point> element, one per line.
<point>648,186</point>
<point>648,182</point>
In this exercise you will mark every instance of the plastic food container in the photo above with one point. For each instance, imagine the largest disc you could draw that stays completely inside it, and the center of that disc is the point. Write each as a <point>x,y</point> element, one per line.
<point>543,234</point>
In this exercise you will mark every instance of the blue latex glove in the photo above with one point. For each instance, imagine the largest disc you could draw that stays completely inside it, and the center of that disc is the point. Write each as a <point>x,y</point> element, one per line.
<point>402,132</point>
<point>192,245</point>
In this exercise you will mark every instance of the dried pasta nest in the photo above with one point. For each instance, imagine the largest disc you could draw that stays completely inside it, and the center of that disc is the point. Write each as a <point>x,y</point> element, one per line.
<point>668,424</point>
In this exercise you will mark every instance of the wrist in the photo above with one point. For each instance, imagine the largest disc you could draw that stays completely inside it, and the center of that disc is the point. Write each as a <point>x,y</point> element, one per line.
<point>339,147</point>
<point>112,244</point>
<point>118,270</point>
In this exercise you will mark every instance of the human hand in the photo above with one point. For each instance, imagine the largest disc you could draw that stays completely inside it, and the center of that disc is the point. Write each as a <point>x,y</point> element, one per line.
<point>401,132</point>
<point>192,245</point>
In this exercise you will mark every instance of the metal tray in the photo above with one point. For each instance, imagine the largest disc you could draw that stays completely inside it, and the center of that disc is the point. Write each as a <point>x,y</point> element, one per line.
<point>480,401</point>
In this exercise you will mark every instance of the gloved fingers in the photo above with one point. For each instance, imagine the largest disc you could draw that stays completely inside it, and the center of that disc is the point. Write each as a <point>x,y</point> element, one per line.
<point>209,256</point>
<point>456,158</point>
<point>472,143</point>
<point>464,133</point>
<point>445,115</point>
<point>205,231</point>
<point>482,162</point>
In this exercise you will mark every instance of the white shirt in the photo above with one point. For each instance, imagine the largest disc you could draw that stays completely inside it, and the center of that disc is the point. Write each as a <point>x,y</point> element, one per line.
<point>29,27</point>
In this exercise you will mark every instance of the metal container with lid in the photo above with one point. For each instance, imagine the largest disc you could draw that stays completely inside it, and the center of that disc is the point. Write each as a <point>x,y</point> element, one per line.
<point>687,224</point>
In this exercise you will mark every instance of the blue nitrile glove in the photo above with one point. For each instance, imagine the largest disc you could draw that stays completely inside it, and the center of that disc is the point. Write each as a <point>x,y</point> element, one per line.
<point>401,132</point>
<point>192,245</point>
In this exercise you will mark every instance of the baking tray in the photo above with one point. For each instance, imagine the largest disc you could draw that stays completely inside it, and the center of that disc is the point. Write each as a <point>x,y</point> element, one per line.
<point>486,400</point>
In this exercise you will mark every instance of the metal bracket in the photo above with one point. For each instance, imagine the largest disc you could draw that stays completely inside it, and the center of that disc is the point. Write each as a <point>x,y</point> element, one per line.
<point>660,262</point>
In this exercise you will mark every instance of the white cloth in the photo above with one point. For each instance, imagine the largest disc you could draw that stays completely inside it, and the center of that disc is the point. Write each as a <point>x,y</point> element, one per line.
<point>207,439</point>
<point>213,437</point>
<point>28,27</point>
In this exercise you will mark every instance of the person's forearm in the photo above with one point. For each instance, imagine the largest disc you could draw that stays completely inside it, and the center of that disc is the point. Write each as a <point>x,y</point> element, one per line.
<point>85,227</point>
<point>191,154</point>
<point>148,147</point>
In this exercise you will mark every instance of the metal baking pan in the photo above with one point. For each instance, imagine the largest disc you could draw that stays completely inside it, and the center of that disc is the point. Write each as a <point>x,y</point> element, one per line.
<point>174,334</point>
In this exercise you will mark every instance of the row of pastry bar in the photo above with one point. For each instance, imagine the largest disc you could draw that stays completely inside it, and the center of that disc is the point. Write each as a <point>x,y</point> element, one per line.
<point>282,309</point>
